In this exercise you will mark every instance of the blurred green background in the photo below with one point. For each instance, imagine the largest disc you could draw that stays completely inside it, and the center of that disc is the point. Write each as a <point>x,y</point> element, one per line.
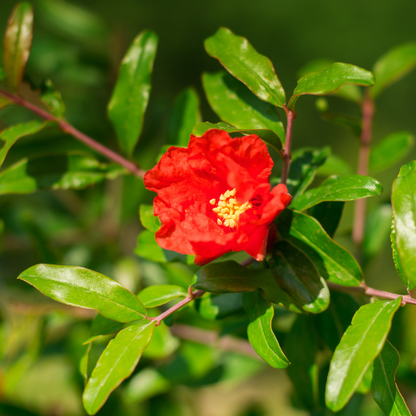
<point>79,45</point>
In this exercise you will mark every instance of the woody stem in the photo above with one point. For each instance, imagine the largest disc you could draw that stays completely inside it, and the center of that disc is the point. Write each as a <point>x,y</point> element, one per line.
<point>68,128</point>
<point>287,155</point>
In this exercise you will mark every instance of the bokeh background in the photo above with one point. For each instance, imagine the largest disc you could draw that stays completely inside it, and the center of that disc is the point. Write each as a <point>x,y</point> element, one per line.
<point>79,45</point>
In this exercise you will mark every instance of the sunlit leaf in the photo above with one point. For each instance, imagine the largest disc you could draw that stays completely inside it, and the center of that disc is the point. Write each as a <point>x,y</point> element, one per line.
<point>148,220</point>
<point>52,99</point>
<point>157,295</point>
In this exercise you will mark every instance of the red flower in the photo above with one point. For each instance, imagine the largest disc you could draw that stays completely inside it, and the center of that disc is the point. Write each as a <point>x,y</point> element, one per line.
<point>214,196</point>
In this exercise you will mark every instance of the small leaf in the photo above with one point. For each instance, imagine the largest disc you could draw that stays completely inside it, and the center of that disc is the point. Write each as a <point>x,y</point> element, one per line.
<point>328,214</point>
<point>298,277</point>
<point>234,104</point>
<point>117,362</point>
<point>157,295</point>
<point>390,150</point>
<point>347,188</point>
<point>185,116</point>
<point>404,216</point>
<point>148,220</point>
<point>393,66</point>
<point>332,261</point>
<point>384,387</point>
<point>102,326</point>
<point>302,349</point>
<point>240,59</point>
<point>361,343</point>
<point>85,288</point>
<point>131,94</point>
<point>259,330</point>
<point>62,171</point>
<point>17,44</point>
<point>330,80</point>
<point>52,99</point>
<point>219,306</point>
<point>13,133</point>
<point>268,136</point>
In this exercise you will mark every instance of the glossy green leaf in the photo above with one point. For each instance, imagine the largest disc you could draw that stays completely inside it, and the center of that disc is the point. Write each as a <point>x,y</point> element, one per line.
<point>236,105</point>
<point>13,133</point>
<point>361,343</point>
<point>384,387</point>
<point>68,171</point>
<point>403,200</point>
<point>396,259</point>
<point>148,220</point>
<point>259,330</point>
<point>334,165</point>
<point>85,288</point>
<point>298,277</point>
<point>17,44</point>
<point>268,136</point>
<point>393,66</point>
<point>52,99</point>
<point>116,363</point>
<point>390,150</point>
<point>157,295</point>
<point>219,306</point>
<point>328,214</point>
<point>347,188</point>
<point>185,116</point>
<point>348,92</point>
<point>377,230</point>
<point>332,261</point>
<point>102,326</point>
<point>240,59</point>
<point>131,94</point>
<point>303,168</point>
<point>330,80</point>
<point>302,348</point>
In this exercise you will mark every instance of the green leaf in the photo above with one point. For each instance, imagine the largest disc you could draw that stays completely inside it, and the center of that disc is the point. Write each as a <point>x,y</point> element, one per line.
<point>347,188</point>
<point>298,277</point>
<point>131,94</point>
<point>404,217</point>
<point>240,59</point>
<point>214,306</point>
<point>393,66</point>
<point>377,230</point>
<point>17,44</point>
<point>302,348</point>
<point>4,102</point>
<point>396,259</point>
<point>148,220</point>
<point>334,165</point>
<point>116,363</point>
<point>13,133</point>
<point>85,288</point>
<point>259,330</point>
<point>102,326</point>
<point>303,168</point>
<point>234,104</point>
<point>52,99</point>
<point>347,92</point>
<point>157,295</point>
<point>332,261</point>
<point>330,80</point>
<point>268,136</point>
<point>384,387</point>
<point>390,150</point>
<point>328,214</point>
<point>184,117</point>
<point>63,171</point>
<point>361,343</point>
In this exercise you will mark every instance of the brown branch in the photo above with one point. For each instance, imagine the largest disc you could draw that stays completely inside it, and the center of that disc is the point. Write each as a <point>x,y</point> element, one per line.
<point>68,128</point>
<point>287,155</point>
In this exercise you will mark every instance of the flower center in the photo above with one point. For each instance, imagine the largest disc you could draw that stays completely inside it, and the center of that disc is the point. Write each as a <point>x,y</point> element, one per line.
<point>229,209</point>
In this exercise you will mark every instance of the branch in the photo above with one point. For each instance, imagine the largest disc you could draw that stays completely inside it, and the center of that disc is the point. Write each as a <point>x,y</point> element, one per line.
<point>287,155</point>
<point>68,128</point>
<point>369,291</point>
<point>364,155</point>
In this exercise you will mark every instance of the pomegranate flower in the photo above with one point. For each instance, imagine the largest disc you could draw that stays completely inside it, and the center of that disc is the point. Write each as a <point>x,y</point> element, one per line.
<point>214,196</point>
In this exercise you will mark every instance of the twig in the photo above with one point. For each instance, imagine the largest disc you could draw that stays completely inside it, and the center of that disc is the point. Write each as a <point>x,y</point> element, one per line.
<point>369,291</point>
<point>287,155</point>
<point>68,128</point>
<point>364,155</point>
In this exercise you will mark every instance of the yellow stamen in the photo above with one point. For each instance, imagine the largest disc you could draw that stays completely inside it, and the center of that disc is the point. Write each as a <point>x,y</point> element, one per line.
<point>229,209</point>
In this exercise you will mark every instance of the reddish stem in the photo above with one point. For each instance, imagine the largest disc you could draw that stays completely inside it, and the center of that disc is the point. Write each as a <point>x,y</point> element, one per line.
<point>68,128</point>
<point>287,155</point>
